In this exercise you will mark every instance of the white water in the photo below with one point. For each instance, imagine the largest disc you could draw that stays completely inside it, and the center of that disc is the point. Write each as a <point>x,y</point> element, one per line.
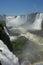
<point>20,23</point>
<point>25,21</point>
<point>7,57</point>
<point>37,23</point>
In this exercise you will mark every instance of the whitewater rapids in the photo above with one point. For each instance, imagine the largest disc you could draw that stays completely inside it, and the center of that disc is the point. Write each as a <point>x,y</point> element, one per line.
<point>7,57</point>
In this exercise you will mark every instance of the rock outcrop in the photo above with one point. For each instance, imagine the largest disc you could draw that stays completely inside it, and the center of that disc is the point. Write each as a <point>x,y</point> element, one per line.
<point>5,38</point>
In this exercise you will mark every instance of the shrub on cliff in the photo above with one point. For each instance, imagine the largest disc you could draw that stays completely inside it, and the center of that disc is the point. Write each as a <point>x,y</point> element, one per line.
<point>19,43</point>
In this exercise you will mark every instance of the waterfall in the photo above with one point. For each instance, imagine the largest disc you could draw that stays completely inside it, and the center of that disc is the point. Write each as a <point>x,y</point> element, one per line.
<point>37,23</point>
<point>33,50</point>
<point>27,22</point>
<point>7,57</point>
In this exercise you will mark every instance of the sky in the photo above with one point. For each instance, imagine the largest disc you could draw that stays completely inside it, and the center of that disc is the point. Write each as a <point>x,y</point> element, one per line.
<point>20,7</point>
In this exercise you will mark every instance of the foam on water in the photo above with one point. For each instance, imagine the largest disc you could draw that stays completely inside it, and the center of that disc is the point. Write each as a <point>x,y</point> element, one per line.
<point>7,57</point>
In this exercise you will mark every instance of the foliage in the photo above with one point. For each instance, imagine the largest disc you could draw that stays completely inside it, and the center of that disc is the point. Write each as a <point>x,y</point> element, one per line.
<point>1,26</point>
<point>19,43</point>
<point>2,22</point>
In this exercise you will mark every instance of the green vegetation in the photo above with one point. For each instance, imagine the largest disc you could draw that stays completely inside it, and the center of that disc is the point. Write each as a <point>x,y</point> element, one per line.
<point>18,46</point>
<point>2,22</point>
<point>4,37</point>
<point>19,43</point>
<point>1,27</point>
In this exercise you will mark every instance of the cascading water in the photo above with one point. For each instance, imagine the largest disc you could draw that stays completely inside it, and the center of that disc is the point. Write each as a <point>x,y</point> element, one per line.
<point>33,50</point>
<point>7,57</point>
<point>28,22</point>
<point>37,23</point>
<point>24,22</point>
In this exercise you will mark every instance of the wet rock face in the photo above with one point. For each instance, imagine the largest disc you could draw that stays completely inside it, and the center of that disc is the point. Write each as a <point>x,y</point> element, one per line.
<point>5,38</point>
